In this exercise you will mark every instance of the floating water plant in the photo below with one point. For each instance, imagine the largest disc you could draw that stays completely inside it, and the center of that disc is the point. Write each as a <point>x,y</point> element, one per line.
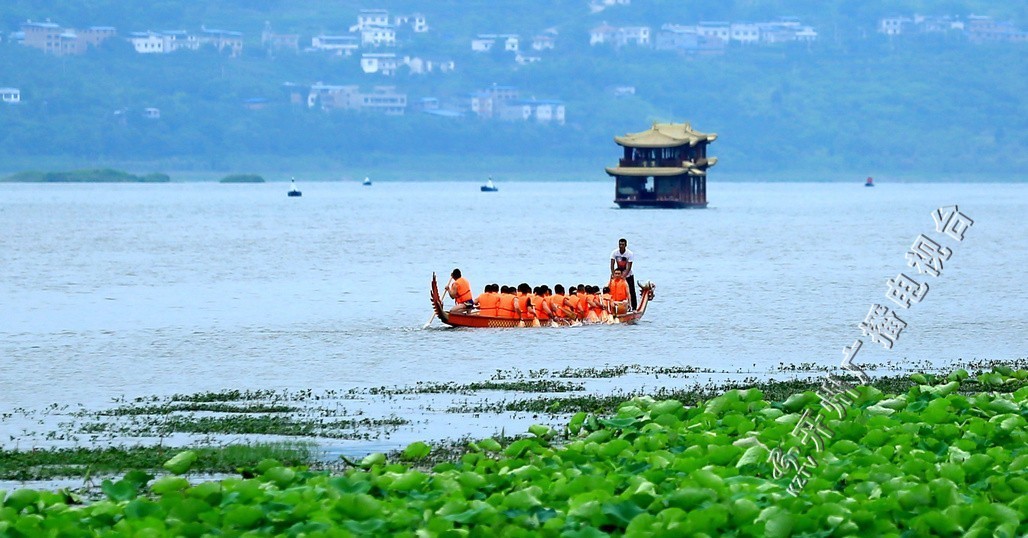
<point>933,459</point>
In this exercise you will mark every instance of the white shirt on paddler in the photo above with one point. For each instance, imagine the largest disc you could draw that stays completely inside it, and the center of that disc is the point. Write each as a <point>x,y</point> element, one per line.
<point>621,260</point>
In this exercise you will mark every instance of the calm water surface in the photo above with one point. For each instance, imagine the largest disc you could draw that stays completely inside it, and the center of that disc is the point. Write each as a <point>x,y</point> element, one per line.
<point>134,290</point>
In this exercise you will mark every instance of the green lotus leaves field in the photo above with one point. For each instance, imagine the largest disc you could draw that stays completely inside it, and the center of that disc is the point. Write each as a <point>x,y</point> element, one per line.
<point>948,457</point>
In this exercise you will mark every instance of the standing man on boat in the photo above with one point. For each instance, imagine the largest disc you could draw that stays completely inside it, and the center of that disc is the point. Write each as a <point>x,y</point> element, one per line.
<point>460,290</point>
<point>622,259</point>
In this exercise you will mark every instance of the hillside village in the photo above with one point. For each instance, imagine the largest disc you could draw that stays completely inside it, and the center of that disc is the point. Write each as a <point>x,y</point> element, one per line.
<point>380,42</point>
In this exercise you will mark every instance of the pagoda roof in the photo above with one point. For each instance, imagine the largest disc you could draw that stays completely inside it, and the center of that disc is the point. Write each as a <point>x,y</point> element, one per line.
<point>665,135</point>
<point>698,169</point>
<point>641,171</point>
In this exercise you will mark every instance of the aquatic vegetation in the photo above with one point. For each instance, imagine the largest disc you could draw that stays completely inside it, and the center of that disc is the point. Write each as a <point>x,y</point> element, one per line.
<point>933,459</point>
<point>87,462</point>
<point>534,385</point>
<point>212,407</point>
<point>241,424</point>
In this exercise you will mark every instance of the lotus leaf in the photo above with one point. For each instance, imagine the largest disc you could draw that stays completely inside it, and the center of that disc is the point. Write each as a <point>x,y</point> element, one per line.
<point>576,422</point>
<point>667,407</point>
<point>799,401</point>
<point>518,448</point>
<point>371,460</point>
<point>754,455</point>
<point>243,516</point>
<point>619,423</point>
<point>21,498</point>
<point>181,462</point>
<point>541,431</point>
<point>523,499</point>
<point>416,451</point>
<point>613,448</point>
<point>778,523</point>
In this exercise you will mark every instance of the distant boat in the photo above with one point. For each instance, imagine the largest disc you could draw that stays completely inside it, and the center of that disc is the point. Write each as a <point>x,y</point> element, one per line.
<point>293,191</point>
<point>870,182</point>
<point>367,182</point>
<point>489,187</point>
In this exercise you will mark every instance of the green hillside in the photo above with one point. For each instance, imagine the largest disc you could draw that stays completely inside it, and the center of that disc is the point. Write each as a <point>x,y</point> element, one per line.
<point>855,100</point>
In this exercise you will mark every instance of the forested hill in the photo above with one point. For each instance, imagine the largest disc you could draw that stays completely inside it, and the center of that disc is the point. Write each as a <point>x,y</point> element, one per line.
<point>853,100</point>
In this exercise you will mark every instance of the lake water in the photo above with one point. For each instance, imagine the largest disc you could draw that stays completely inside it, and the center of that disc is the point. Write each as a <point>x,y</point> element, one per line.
<point>134,290</point>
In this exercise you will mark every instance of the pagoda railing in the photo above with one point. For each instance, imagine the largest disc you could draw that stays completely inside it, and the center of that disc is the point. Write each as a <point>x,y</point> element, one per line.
<point>654,163</point>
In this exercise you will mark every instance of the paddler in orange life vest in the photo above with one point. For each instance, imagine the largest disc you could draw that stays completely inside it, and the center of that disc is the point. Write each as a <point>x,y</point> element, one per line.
<point>571,303</point>
<point>460,290</point>
<point>557,302</point>
<point>488,301</point>
<point>619,295</point>
<point>542,305</point>
<point>506,303</point>
<point>624,259</point>
<point>582,305</point>
<point>524,305</point>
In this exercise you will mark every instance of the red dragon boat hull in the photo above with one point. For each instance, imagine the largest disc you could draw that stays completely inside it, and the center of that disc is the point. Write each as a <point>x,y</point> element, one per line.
<point>460,319</point>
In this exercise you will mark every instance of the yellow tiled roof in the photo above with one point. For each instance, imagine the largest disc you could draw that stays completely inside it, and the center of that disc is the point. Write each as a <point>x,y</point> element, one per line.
<point>665,135</point>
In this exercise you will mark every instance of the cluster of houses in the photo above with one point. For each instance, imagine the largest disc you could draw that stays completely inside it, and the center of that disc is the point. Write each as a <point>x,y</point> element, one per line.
<point>496,102</point>
<point>706,36</point>
<point>512,43</point>
<point>166,42</point>
<point>53,39</point>
<point>977,28</point>
<point>377,33</point>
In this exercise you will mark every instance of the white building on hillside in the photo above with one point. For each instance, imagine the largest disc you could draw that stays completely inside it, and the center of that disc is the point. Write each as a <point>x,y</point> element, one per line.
<point>744,32</point>
<point>486,42</point>
<point>895,25</point>
<point>10,95</point>
<point>634,35</point>
<point>378,36</point>
<point>718,29</point>
<point>370,17</point>
<point>147,42</point>
<point>340,45</point>
<point>382,63</point>
<point>417,22</point>
<point>540,110</point>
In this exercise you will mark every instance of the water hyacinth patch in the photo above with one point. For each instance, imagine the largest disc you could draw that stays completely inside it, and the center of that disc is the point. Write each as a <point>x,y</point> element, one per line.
<point>934,460</point>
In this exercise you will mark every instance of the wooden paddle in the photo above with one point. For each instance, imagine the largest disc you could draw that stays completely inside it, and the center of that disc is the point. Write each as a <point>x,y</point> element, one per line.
<point>430,318</point>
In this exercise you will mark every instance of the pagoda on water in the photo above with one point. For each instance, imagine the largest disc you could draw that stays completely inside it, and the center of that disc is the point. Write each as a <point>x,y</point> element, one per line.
<point>665,166</point>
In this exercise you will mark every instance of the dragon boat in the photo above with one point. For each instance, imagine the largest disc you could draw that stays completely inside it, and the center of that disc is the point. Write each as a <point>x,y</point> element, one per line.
<point>474,319</point>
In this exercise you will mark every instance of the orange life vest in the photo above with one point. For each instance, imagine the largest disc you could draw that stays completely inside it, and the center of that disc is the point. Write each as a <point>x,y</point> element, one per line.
<point>583,305</point>
<point>618,289</point>
<point>557,304</point>
<point>525,301</point>
<point>488,303</point>
<point>462,290</point>
<point>594,304</point>
<point>505,306</point>
<point>541,306</point>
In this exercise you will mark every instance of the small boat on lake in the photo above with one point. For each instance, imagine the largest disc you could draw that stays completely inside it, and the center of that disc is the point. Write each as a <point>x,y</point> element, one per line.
<point>293,191</point>
<point>489,187</point>
<point>870,182</point>
<point>366,182</point>
<point>473,319</point>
